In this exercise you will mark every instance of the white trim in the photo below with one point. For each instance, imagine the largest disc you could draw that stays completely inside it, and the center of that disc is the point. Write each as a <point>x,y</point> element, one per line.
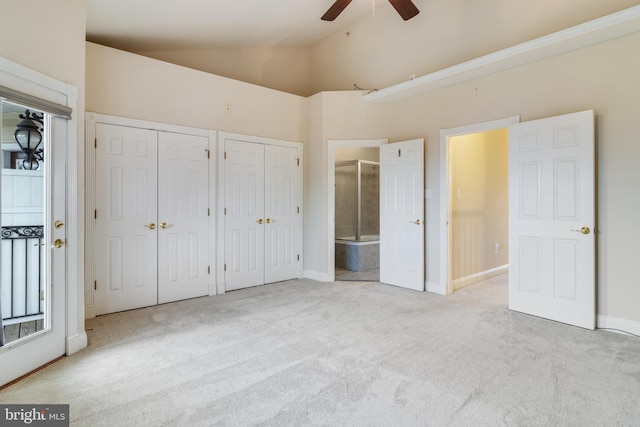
<point>318,276</point>
<point>479,277</point>
<point>221,285</point>
<point>445,189</point>
<point>36,84</point>
<point>91,119</point>
<point>146,124</point>
<point>589,33</point>
<point>435,288</point>
<point>625,325</point>
<point>332,144</point>
<point>213,161</point>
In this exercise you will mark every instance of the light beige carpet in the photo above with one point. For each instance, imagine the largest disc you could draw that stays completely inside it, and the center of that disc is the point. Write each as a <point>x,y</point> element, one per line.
<point>305,353</point>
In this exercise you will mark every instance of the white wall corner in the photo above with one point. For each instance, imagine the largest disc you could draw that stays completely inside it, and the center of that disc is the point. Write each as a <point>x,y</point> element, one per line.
<point>436,288</point>
<point>615,324</point>
<point>479,277</point>
<point>317,276</point>
<point>76,343</point>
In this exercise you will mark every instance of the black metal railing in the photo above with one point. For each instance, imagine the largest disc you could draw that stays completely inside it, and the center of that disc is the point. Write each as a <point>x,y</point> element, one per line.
<point>22,256</point>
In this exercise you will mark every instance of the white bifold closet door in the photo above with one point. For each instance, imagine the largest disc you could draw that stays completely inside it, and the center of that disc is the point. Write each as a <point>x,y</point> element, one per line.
<point>261,214</point>
<point>151,224</point>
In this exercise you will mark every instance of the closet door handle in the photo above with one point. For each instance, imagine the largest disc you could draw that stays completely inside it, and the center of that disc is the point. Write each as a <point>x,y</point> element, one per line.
<point>164,225</point>
<point>269,220</point>
<point>150,226</point>
<point>260,221</point>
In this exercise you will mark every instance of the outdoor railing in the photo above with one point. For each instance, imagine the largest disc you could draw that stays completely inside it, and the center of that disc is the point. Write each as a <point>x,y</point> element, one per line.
<point>22,273</point>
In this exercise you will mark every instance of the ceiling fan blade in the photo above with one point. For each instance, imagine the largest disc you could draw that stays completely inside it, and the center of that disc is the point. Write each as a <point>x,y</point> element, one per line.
<point>335,10</point>
<point>405,8</point>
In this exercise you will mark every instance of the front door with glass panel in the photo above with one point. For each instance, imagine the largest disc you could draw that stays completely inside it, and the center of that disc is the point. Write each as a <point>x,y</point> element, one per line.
<point>32,252</point>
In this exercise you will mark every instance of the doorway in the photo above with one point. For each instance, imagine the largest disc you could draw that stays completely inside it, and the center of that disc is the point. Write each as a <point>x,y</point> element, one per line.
<point>340,150</point>
<point>474,233</point>
<point>479,197</point>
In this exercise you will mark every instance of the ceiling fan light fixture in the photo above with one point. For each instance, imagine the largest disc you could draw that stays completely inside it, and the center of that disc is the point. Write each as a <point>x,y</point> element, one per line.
<point>405,8</point>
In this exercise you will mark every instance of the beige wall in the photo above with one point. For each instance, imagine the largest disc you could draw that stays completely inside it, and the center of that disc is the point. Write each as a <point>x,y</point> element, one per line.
<point>480,213</point>
<point>287,68</point>
<point>124,84</point>
<point>385,50</point>
<point>356,153</point>
<point>53,44</point>
<point>601,77</point>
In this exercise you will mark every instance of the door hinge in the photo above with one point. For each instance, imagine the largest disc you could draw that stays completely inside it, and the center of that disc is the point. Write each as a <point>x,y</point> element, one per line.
<point>298,257</point>
<point>298,209</point>
<point>208,211</point>
<point>95,143</point>
<point>208,153</point>
<point>95,285</point>
<point>298,160</point>
<point>225,155</point>
<point>225,267</point>
<point>95,214</point>
<point>399,152</point>
<point>225,211</point>
<point>209,269</point>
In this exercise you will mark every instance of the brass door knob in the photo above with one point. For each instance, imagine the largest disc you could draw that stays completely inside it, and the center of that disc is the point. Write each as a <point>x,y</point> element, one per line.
<point>58,243</point>
<point>269,220</point>
<point>58,224</point>
<point>583,230</point>
<point>164,225</point>
<point>260,221</point>
<point>417,222</point>
<point>150,226</point>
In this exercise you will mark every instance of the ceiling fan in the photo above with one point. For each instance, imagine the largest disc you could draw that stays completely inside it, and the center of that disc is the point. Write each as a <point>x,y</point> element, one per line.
<point>405,8</point>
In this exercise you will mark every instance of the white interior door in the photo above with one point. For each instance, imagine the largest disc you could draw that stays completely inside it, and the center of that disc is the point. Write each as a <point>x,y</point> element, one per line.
<point>126,234</point>
<point>183,216</point>
<point>402,214</point>
<point>19,356</point>
<point>552,218</point>
<point>281,212</point>
<point>244,219</point>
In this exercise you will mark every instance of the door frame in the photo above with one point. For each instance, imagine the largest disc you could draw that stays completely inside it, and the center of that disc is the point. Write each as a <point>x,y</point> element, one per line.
<point>332,144</point>
<point>91,119</point>
<point>220,197</point>
<point>445,284</point>
<point>36,84</point>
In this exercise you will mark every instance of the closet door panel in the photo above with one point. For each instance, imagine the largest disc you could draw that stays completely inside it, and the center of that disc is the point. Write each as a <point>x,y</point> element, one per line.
<point>183,223</point>
<point>244,214</point>
<point>125,226</point>
<point>281,211</point>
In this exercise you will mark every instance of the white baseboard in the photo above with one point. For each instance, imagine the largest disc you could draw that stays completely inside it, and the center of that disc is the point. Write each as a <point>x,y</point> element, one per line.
<point>89,311</point>
<point>76,343</point>
<point>317,276</point>
<point>436,288</point>
<point>479,277</point>
<point>625,325</point>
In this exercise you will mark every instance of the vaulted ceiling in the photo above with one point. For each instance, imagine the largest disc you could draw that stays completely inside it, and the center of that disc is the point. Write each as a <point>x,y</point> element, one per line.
<point>146,25</point>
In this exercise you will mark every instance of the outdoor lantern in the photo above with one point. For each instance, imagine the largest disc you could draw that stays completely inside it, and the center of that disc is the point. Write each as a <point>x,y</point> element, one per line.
<point>28,137</point>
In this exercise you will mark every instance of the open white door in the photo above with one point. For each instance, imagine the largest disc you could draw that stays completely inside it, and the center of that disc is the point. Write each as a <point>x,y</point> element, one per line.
<point>552,218</point>
<point>402,214</point>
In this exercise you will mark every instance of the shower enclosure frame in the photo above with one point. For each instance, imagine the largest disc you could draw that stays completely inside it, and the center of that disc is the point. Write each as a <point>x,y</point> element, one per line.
<point>358,163</point>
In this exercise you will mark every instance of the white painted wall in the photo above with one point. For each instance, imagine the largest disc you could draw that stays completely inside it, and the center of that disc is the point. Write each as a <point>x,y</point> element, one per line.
<point>282,68</point>
<point>601,77</point>
<point>385,50</point>
<point>123,84</point>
